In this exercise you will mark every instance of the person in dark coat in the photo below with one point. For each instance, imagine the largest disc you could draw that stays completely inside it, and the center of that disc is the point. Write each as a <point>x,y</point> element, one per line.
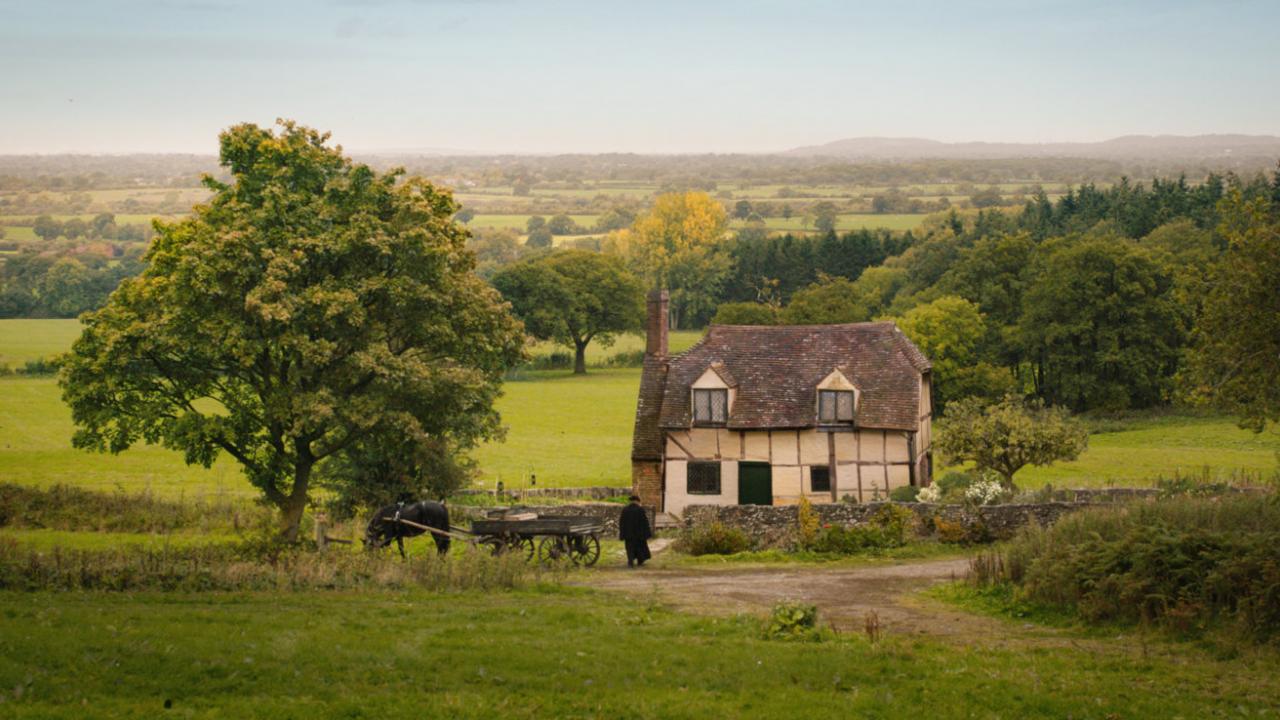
<point>633,529</point>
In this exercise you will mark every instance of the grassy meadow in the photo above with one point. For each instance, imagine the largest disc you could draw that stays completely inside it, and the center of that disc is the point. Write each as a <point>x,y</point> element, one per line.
<point>560,652</point>
<point>564,430</point>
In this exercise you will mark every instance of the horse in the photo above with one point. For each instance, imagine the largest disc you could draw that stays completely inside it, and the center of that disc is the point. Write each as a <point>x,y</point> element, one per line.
<point>383,526</point>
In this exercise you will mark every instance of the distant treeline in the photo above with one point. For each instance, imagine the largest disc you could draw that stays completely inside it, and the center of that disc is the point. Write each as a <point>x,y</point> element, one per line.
<point>67,173</point>
<point>62,284</point>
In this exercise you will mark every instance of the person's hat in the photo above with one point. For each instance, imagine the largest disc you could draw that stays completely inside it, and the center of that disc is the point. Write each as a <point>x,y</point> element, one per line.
<point>634,498</point>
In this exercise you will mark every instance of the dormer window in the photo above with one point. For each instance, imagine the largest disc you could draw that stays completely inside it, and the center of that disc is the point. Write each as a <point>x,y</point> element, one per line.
<point>710,407</point>
<point>835,406</point>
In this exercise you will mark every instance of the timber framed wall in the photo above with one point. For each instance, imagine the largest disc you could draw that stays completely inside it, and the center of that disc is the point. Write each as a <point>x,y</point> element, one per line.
<point>868,463</point>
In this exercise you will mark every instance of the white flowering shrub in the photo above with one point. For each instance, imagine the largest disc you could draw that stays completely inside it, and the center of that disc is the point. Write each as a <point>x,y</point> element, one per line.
<point>929,494</point>
<point>984,492</point>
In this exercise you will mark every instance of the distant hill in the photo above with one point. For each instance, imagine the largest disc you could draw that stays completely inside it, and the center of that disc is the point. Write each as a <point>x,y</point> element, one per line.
<point>1128,147</point>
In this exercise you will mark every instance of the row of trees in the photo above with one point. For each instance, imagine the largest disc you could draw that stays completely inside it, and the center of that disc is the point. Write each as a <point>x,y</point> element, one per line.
<point>100,227</point>
<point>61,285</point>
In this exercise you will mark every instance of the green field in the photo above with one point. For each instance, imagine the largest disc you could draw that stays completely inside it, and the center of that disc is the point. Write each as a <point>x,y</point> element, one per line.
<point>563,430</point>
<point>518,222</point>
<point>560,653</point>
<point>847,221</point>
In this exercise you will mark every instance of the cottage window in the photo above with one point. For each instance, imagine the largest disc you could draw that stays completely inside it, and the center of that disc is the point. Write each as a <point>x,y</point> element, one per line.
<point>704,478</point>
<point>710,407</point>
<point>820,478</point>
<point>835,406</point>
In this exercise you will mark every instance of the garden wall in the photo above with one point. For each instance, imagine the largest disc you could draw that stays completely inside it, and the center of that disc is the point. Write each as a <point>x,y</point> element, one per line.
<point>770,524</point>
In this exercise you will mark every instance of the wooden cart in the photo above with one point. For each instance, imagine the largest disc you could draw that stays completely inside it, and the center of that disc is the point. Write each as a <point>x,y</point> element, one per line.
<point>548,537</point>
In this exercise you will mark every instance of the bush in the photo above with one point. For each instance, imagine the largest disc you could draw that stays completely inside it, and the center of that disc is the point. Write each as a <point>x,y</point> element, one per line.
<point>40,366</point>
<point>906,493</point>
<point>931,494</point>
<point>792,621</point>
<point>1185,564</point>
<point>557,360</point>
<point>887,528</point>
<point>985,492</point>
<point>714,538</point>
<point>953,484</point>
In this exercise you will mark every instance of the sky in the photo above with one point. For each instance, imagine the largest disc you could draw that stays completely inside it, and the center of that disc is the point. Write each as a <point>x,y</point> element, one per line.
<point>116,76</point>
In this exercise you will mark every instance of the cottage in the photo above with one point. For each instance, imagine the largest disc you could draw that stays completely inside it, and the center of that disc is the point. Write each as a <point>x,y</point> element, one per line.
<point>766,415</point>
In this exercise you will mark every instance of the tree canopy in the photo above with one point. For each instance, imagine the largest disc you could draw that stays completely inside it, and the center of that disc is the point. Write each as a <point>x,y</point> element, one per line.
<point>311,307</point>
<point>676,245</point>
<point>1009,435</point>
<point>1234,361</point>
<point>574,297</point>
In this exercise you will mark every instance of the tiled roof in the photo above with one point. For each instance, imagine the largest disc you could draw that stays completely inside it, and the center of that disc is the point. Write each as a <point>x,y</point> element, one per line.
<point>777,370</point>
<point>646,441</point>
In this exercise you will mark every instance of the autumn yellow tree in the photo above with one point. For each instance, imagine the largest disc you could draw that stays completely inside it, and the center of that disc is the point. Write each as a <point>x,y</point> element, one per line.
<point>677,245</point>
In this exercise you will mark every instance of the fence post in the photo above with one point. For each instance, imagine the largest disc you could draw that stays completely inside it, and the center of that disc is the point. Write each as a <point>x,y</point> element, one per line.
<point>322,542</point>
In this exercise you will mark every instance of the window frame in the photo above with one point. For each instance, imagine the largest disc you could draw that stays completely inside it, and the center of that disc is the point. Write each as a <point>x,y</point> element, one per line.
<point>712,421</point>
<point>688,478</point>
<point>835,396</point>
<point>826,470</point>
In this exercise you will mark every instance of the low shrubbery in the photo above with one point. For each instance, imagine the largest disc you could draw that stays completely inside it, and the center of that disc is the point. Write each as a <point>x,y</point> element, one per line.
<point>887,529</point>
<point>714,538</point>
<point>252,567</point>
<point>1186,564</point>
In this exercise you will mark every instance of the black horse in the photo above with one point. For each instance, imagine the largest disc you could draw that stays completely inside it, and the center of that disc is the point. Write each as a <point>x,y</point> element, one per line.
<point>384,526</point>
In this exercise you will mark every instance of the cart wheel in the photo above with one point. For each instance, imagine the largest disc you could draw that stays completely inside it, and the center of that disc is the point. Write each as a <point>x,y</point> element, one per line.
<point>495,545</point>
<point>552,549</point>
<point>524,544</point>
<point>584,550</point>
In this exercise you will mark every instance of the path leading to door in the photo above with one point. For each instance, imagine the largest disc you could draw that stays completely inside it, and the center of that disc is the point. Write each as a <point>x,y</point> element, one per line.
<point>844,595</point>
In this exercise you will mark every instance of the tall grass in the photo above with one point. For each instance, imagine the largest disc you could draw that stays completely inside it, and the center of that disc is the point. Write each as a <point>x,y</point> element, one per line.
<point>230,568</point>
<point>1185,563</point>
<point>65,507</point>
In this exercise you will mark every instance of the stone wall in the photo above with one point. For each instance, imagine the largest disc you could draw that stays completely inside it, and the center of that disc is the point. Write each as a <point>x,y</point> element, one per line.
<point>773,524</point>
<point>569,493</point>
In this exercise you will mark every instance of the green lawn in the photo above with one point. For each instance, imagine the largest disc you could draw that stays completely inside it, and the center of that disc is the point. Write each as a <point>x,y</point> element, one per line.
<point>23,340</point>
<point>847,221</point>
<point>559,653</point>
<point>519,222</point>
<point>1162,446</point>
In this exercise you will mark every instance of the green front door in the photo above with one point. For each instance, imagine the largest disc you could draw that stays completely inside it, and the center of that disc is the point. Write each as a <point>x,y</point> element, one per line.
<point>755,484</point>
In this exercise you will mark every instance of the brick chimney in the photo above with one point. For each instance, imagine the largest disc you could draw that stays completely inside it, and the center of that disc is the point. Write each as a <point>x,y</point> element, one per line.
<point>656,325</point>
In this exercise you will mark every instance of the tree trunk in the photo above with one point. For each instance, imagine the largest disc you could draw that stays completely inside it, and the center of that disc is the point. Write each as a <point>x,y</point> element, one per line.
<point>294,505</point>
<point>580,357</point>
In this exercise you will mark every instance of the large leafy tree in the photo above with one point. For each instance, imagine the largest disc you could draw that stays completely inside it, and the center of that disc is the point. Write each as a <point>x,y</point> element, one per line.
<point>311,307</point>
<point>949,331</point>
<point>1100,324</point>
<point>574,297</point>
<point>677,245</point>
<point>1009,435</point>
<point>1234,361</point>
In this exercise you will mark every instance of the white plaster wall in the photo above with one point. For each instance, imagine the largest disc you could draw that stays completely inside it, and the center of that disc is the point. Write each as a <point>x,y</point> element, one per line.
<point>897,445</point>
<point>703,443</point>
<point>786,448</point>
<point>757,447</point>
<point>786,484</point>
<point>872,445</point>
<point>899,475</point>
<point>847,446</point>
<point>677,493</point>
<point>730,444</point>
<point>813,447</point>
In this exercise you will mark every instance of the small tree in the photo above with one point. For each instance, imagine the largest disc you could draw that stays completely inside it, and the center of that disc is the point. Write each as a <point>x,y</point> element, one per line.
<point>574,297</point>
<point>562,225</point>
<point>825,216</point>
<point>1009,435</point>
<point>46,228</point>
<point>742,209</point>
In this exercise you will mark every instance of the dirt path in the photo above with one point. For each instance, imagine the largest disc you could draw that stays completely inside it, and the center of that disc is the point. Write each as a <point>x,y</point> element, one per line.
<point>844,595</point>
